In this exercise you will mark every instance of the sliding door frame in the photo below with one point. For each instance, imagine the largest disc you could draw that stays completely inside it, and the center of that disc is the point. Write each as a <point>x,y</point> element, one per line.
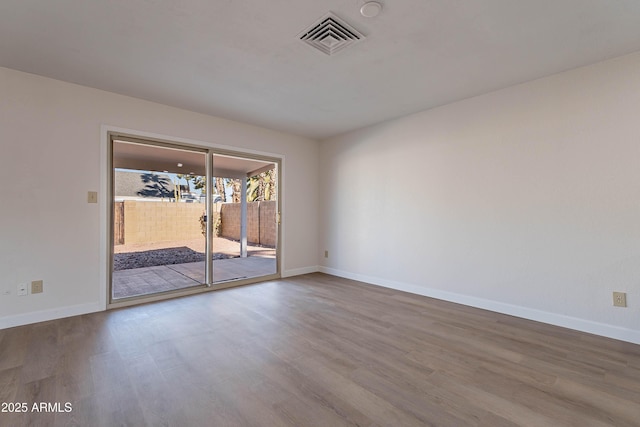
<point>209,150</point>
<point>278,164</point>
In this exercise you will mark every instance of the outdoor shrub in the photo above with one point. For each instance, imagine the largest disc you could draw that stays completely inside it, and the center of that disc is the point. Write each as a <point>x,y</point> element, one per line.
<point>217,225</point>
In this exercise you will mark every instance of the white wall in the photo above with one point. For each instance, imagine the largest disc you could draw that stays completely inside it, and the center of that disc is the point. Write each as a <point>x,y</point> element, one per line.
<point>50,142</point>
<point>524,201</point>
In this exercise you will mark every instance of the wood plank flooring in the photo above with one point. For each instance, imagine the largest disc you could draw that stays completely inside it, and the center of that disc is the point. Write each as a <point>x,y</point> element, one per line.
<point>315,350</point>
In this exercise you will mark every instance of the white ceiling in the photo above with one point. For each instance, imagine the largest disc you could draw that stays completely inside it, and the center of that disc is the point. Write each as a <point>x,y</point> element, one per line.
<point>242,60</point>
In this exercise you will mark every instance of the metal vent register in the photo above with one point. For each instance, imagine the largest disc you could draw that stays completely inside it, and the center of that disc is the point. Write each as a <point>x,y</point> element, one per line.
<point>331,34</point>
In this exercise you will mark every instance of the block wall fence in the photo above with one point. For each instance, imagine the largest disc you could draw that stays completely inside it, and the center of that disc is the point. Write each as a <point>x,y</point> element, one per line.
<point>147,222</point>
<point>261,222</point>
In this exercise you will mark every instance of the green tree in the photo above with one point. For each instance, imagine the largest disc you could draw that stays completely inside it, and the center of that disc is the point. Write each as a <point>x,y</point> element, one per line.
<point>220,188</point>
<point>187,178</point>
<point>199,183</point>
<point>236,189</point>
<point>262,187</point>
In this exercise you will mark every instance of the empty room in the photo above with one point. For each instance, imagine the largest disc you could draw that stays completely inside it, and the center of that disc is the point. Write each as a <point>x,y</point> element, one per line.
<point>319,213</point>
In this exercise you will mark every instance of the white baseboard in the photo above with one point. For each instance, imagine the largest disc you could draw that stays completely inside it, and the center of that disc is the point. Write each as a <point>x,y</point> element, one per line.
<point>602,329</point>
<point>299,271</point>
<point>75,310</point>
<point>45,315</point>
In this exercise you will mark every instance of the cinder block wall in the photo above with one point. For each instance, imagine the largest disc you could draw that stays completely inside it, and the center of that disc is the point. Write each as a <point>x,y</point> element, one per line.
<point>261,225</point>
<point>268,230</point>
<point>146,222</point>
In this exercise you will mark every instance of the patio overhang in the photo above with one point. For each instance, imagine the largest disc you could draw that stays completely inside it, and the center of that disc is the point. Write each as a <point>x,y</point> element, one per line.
<point>130,155</point>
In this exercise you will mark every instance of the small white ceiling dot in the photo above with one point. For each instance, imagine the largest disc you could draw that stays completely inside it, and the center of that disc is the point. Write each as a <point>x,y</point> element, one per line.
<point>370,9</point>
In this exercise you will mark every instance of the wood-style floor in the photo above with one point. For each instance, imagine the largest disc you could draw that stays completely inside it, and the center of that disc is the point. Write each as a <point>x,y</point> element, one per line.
<point>315,350</point>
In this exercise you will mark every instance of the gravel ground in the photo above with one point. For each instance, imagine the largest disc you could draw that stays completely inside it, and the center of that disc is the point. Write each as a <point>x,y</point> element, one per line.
<point>129,260</point>
<point>126,257</point>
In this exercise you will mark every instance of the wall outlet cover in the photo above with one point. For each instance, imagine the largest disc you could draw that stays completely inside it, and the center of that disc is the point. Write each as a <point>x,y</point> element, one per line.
<point>619,299</point>
<point>36,286</point>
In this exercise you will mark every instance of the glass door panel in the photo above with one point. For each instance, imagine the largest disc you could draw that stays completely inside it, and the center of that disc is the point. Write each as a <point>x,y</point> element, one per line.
<point>159,212</point>
<point>245,214</point>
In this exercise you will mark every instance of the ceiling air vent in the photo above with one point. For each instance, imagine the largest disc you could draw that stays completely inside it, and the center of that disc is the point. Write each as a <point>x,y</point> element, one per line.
<point>330,34</point>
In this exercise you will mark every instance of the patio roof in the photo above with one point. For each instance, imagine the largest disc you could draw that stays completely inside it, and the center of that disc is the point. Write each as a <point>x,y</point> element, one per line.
<point>128,155</point>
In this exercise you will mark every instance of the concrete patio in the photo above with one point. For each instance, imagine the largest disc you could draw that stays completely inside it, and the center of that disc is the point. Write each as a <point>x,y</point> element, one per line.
<point>149,280</point>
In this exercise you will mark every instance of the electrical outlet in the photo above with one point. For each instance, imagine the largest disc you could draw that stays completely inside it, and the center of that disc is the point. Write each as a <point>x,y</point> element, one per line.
<point>36,286</point>
<point>22,290</point>
<point>619,299</point>
<point>326,254</point>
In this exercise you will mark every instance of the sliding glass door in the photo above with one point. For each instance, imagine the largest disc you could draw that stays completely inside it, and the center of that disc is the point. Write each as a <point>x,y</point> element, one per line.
<point>187,218</point>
